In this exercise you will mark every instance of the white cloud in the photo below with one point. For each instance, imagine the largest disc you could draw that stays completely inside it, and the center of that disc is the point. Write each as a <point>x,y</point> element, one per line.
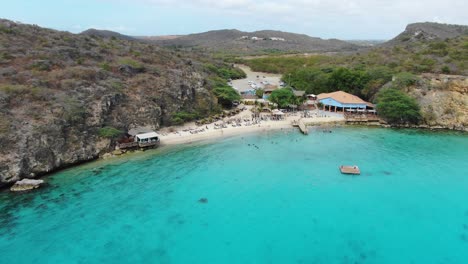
<point>321,15</point>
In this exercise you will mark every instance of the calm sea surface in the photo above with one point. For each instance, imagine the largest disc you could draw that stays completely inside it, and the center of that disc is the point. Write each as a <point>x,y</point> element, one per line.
<point>269,198</point>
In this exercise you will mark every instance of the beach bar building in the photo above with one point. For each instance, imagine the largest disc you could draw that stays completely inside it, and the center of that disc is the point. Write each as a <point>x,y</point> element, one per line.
<point>340,101</point>
<point>136,139</point>
<point>267,90</point>
<point>147,139</point>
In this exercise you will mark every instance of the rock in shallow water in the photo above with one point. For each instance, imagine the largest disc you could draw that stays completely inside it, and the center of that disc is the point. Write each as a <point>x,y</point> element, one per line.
<point>26,185</point>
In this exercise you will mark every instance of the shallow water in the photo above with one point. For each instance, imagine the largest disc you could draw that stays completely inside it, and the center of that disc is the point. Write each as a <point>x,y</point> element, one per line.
<point>270,198</point>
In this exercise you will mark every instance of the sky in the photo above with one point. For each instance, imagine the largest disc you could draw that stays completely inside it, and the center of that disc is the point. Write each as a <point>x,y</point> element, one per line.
<point>342,19</point>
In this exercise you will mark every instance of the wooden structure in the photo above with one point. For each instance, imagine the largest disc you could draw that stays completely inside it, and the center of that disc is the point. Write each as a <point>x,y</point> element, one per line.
<point>147,139</point>
<point>268,89</point>
<point>144,140</point>
<point>353,170</point>
<point>302,127</point>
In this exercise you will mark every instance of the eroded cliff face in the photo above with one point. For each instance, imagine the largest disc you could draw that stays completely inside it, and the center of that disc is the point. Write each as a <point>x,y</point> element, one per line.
<point>58,90</point>
<point>42,138</point>
<point>443,100</point>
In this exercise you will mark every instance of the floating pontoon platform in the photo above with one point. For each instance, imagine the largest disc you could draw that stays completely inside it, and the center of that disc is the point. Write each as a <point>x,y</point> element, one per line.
<point>353,170</point>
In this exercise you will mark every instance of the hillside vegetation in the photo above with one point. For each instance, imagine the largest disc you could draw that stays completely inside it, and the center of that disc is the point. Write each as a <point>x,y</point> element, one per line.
<point>364,73</point>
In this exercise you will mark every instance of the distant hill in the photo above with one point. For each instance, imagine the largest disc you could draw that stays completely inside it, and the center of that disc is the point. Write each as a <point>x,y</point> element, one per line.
<point>428,31</point>
<point>366,43</point>
<point>106,34</point>
<point>255,43</point>
<point>155,38</point>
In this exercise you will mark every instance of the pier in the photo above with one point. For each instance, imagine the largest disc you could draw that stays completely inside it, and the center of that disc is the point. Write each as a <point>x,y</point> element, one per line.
<point>302,127</point>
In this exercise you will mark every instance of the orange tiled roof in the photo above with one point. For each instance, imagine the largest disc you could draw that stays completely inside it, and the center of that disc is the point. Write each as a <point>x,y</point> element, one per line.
<point>342,97</point>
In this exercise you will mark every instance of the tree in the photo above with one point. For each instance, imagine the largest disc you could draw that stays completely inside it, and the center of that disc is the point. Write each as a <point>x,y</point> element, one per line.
<point>446,69</point>
<point>351,81</point>
<point>397,107</point>
<point>259,93</point>
<point>283,97</point>
<point>313,81</point>
<point>226,95</point>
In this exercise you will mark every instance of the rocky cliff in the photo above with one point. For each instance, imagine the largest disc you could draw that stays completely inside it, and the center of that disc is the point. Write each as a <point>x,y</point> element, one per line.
<point>443,100</point>
<point>58,91</point>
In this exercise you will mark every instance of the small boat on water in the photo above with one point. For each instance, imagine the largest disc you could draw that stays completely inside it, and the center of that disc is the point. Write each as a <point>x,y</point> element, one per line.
<point>353,170</point>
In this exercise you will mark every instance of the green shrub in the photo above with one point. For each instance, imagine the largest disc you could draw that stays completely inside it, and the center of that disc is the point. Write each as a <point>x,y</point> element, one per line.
<point>405,79</point>
<point>105,66</point>
<point>109,132</point>
<point>117,85</point>
<point>181,117</point>
<point>225,72</point>
<point>41,65</point>
<point>445,69</point>
<point>6,30</point>
<point>259,93</point>
<point>398,108</point>
<point>135,64</point>
<point>15,89</point>
<point>74,112</point>
<point>4,124</point>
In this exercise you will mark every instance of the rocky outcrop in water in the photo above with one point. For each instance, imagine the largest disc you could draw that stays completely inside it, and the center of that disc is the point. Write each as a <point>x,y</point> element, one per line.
<point>26,185</point>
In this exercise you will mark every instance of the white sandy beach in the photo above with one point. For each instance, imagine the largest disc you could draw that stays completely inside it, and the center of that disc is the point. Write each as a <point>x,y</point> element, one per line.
<point>187,133</point>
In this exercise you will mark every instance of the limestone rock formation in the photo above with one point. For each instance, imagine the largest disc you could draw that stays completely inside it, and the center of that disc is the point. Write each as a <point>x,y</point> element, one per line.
<point>443,100</point>
<point>26,185</point>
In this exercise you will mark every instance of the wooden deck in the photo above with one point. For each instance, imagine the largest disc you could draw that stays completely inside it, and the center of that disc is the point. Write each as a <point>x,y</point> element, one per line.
<point>136,144</point>
<point>354,170</point>
<point>128,145</point>
<point>149,144</point>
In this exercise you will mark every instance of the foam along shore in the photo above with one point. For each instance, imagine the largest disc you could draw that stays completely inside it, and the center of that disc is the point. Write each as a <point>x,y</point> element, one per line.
<point>190,132</point>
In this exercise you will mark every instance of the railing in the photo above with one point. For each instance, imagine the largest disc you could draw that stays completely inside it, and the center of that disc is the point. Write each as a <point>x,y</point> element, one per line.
<point>128,145</point>
<point>148,144</point>
<point>362,118</point>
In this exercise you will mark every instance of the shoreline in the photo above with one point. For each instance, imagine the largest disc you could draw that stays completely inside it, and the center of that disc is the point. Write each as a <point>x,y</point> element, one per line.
<point>175,139</point>
<point>190,133</point>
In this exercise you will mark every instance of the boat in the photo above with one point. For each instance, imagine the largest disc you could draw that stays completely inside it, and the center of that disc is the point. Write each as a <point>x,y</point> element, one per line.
<point>353,170</point>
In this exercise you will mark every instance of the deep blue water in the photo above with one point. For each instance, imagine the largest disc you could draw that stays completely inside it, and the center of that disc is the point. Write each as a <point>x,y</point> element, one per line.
<point>269,198</point>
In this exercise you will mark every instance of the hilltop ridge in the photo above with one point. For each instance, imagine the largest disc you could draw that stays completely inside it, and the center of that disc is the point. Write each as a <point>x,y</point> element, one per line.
<point>428,31</point>
<point>237,42</point>
<point>106,34</point>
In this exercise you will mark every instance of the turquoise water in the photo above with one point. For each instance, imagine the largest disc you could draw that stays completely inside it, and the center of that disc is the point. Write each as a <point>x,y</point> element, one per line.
<point>270,198</point>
